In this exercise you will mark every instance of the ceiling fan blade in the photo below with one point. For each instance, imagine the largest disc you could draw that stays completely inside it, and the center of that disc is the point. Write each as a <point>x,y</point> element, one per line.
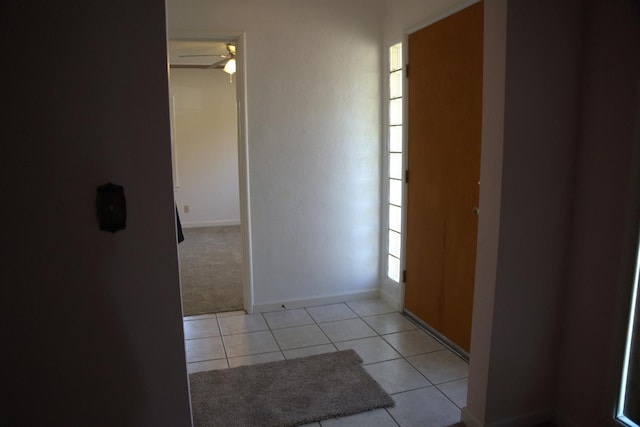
<point>195,56</point>
<point>202,67</point>
<point>220,64</point>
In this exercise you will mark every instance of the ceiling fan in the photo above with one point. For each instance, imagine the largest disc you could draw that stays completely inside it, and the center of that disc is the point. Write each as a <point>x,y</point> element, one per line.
<point>227,63</point>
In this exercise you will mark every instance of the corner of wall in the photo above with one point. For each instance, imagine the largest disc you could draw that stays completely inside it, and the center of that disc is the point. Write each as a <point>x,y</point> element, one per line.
<point>308,302</point>
<point>394,299</point>
<point>469,419</point>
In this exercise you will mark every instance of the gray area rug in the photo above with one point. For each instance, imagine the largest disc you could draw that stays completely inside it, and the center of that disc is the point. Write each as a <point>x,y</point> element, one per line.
<point>210,261</point>
<point>285,393</point>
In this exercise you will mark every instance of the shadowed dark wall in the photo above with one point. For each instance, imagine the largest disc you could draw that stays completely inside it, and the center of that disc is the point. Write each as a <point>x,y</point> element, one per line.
<point>91,320</point>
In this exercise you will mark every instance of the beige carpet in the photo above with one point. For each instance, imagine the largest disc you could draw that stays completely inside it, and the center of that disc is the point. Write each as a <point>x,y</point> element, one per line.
<point>210,270</point>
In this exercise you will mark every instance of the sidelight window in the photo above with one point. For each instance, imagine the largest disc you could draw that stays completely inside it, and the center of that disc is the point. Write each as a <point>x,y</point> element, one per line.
<point>395,162</point>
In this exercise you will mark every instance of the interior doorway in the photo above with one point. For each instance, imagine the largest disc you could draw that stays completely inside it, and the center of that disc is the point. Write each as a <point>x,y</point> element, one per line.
<point>444,135</point>
<point>207,149</point>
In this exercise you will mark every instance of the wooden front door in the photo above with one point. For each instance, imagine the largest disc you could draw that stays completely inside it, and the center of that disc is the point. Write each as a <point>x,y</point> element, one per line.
<point>444,133</point>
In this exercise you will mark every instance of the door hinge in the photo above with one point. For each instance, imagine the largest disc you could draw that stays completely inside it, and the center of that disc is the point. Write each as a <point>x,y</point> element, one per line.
<point>404,276</point>
<point>406,70</point>
<point>406,176</point>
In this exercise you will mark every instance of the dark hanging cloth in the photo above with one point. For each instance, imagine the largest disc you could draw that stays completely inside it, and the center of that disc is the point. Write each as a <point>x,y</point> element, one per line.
<point>179,227</point>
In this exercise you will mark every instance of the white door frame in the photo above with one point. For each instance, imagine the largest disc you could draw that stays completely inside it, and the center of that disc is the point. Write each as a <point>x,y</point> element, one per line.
<point>243,173</point>
<point>243,151</point>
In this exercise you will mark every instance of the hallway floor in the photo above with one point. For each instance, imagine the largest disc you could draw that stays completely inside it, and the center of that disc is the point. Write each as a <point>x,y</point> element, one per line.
<point>427,381</point>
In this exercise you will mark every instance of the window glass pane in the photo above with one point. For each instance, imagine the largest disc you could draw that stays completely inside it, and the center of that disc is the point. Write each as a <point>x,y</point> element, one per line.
<point>395,84</point>
<point>395,111</point>
<point>395,218</point>
<point>395,165</point>
<point>395,57</point>
<point>395,139</point>
<point>395,192</point>
<point>394,243</point>
<point>393,269</point>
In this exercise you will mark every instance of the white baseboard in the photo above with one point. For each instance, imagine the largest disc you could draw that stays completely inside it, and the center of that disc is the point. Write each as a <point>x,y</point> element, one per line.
<point>199,224</point>
<point>531,419</point>
<point>308,302</point>
<point>393,302</point>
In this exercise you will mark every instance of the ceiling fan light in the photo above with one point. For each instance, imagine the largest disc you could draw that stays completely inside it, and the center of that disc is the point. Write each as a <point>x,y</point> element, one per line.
<point>230,66</point>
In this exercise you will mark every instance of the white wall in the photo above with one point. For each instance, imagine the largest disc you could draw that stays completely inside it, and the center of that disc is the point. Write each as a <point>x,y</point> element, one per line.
<point>493,110</point>
<point>313,105</point>
<point>205,146</point>
<point>91,321</point>
<point>542,93</point>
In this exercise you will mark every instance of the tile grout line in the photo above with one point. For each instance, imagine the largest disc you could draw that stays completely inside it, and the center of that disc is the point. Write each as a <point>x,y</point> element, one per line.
<point>224,347</point>
<point>447,396</point>
<point>394,349</point>
<point>333,343</point>
<point>266,322</point>
<point>405,358</point>
<point>251,332</point>
<point>321,330</point>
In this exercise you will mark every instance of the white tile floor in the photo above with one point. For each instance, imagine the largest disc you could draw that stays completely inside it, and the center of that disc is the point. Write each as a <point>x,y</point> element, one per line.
<point>427,381</point>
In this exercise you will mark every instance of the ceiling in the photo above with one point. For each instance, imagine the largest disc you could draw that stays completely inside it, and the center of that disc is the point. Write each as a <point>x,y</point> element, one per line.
<point>181,51</point>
